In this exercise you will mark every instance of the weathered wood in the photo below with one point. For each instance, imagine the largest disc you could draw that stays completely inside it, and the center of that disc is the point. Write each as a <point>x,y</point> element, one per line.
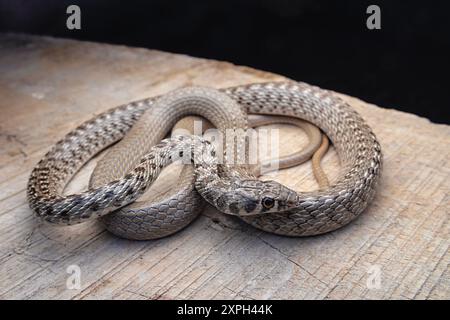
<point>48,86</point>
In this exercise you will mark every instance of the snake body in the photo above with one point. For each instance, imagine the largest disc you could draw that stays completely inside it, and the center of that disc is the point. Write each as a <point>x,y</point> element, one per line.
<point>163,214</point>
<point>267,205</point>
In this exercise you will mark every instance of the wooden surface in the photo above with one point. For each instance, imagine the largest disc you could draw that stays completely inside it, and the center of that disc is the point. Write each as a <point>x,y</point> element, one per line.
<point>399,248</point>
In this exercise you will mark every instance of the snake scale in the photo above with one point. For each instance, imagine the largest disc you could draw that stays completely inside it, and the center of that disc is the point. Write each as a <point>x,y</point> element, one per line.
<point>267,205</point>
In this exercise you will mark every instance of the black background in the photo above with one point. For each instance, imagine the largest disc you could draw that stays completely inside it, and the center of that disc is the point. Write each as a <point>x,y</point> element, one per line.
<point>116,309</point>
<point>405,65</point>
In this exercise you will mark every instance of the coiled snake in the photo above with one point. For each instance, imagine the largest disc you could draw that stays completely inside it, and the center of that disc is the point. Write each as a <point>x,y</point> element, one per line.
<point>267,205</point>
<point>162,214</point>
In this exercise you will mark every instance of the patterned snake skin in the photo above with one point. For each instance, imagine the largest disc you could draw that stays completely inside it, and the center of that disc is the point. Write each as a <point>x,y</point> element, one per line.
<point>162,214</point>
<point>267,205</point>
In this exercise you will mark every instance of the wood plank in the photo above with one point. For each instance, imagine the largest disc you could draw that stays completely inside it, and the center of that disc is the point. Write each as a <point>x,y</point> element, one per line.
<point>49,86</point>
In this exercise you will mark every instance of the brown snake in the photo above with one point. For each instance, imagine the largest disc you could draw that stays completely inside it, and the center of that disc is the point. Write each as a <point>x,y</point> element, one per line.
<point>267,205</point>
<point>164,214</point>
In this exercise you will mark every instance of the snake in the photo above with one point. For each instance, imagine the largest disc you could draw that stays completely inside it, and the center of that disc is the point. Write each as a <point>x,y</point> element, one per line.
<point>267,205</point>
<point>164,214</point>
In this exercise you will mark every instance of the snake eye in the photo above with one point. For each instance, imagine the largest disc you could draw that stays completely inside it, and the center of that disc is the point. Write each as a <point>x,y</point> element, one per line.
<point>268,202</point>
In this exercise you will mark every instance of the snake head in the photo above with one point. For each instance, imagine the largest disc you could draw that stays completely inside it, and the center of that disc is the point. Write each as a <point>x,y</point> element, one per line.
<point>254,197</point>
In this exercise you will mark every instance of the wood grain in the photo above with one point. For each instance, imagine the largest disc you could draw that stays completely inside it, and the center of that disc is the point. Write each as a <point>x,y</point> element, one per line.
<point>48,86</point>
